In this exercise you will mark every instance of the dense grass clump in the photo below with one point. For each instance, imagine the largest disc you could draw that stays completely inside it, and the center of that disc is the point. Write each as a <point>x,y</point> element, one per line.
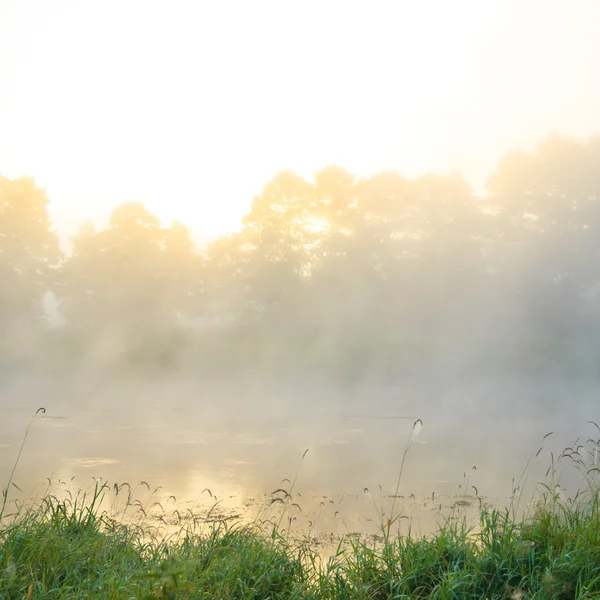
<point>553,555</point>
<point>59,549</point>
<point>56,550</point>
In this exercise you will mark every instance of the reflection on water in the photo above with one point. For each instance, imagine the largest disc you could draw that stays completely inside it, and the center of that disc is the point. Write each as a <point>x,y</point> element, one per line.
<point>90,462</point>
<point>241,447</point>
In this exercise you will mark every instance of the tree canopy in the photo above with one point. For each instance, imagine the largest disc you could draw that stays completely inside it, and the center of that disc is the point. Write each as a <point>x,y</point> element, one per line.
<point>29,252</point>
<point>383,265</point>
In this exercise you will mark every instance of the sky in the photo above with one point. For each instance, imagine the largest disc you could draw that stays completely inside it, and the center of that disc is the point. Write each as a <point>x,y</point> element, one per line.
<point>192,106</point>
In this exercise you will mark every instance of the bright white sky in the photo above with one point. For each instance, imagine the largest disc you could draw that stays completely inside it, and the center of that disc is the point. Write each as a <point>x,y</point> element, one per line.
<point>192,106</point>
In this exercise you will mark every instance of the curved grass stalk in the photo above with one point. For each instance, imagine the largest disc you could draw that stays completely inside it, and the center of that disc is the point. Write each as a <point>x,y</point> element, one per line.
<point>12,473</point>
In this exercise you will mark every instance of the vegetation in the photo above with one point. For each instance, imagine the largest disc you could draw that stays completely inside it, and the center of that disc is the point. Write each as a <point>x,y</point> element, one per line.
<point>72,547</point>
<point>349,277</point>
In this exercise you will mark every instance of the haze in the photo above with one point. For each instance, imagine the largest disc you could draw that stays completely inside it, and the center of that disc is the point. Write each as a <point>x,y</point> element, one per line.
<point>192,106</point>
<point>230,232</point>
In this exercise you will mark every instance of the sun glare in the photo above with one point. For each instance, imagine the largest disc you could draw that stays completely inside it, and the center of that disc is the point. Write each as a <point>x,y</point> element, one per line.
<point>192,107</point>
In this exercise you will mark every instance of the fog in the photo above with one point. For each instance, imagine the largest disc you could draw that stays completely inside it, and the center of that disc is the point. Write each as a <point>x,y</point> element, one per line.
<point>241,439</point>
<point>302,350</point>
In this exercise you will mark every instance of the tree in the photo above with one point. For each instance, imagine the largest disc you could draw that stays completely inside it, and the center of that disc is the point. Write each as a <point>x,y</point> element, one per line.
<point>272,246</point>
<point>184,272</point>
<point>29,252</point>
<point>134,274</point>
<point>549,214</point>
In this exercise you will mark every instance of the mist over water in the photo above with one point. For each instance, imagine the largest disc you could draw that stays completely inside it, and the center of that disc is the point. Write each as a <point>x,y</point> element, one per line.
<point>242,439</point>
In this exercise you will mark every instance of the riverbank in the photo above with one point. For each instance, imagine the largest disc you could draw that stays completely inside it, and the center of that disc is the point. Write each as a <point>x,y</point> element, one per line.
<point>70,548</point>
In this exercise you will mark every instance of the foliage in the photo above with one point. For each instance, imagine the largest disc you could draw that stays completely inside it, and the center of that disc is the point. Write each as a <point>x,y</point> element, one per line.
<point>69,549</point>
<point>367,274</point>
<point>28,252</point>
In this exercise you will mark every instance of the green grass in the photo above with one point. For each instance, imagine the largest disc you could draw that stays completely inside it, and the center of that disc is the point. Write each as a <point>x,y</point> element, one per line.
<point>70,547</point>
<point>59,549</point>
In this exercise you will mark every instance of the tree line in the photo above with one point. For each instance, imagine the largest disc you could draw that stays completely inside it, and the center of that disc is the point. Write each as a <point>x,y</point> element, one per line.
<point>382,266</point>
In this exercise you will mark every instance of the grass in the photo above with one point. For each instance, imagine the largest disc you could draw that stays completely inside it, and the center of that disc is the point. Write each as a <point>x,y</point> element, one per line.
<point>61,550</point>
<point>72,547</point>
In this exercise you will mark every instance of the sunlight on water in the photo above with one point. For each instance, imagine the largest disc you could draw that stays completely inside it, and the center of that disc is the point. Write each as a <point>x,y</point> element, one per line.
<point>342,486</point>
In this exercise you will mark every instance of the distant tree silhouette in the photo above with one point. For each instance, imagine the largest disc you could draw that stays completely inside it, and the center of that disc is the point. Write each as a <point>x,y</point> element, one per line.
<point>29,252</point>
<point>272,247</point>
<point>134,274</point>
<point>549,219</point>
<point>371,272</point>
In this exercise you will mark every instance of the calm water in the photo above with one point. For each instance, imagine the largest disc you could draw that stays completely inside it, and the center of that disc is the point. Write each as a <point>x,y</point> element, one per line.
<point>243,440</point>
